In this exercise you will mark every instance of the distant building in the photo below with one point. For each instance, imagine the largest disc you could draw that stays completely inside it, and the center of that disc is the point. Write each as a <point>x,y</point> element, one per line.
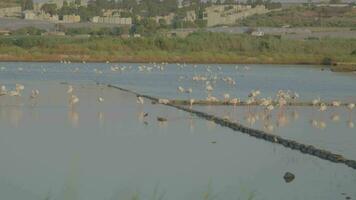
<point>31,15</point>
<point>112,20</point>
<point>230,14</point>
<point>190,16</point>
<point>339,5</point>
<point>257,33</point>
<point>71,19</point>
<point>167,18</point>
<point>11,12</point>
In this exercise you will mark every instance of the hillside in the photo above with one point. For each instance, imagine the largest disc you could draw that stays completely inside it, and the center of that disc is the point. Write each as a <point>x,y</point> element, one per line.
<point>305,17</point>
<point>8,3</point>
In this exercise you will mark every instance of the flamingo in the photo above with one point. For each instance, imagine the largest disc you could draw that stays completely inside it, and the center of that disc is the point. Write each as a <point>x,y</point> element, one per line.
<point>189,90</point>
<point>226,97</point>
<point>209,88</point>
<point>163,101</point>
<point>351,106</point>
<point>70,89</point>
<point>139,100</point>
<point>73,100</point>
<point>191,102</point>
<point>322,107</point>
<point>180,89</point>
<point>3,90</point>
<point>34,93</point>
<point>19,87</point>
<point>235,101</point>
<point>336,103</point>
<point>316,101</point>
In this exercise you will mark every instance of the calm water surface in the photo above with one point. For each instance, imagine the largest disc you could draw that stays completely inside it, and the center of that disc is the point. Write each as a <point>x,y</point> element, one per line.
<point>109,151</point>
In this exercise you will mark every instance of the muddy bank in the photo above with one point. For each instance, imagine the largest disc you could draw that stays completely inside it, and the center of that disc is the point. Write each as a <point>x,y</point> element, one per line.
<point>156,59</point>
<point>344,67</point>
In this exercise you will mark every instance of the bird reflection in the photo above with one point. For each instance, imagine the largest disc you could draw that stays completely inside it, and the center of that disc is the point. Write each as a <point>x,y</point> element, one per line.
<point>295,115</point>
<point>318,124</point>
<point>100,117</point>
<point>191,124</point>
<point>282,120</point>
<point>162,124</point>
<point>73,117</point>
<point>16,115</point>
<point>335,117</point>
<point>142,117</point>
<point>268,127</point>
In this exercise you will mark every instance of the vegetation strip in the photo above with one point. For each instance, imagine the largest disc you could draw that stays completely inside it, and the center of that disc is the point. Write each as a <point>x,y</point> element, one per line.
<point>306,149</point>
<point>242,103</point>
<point>199,47</point>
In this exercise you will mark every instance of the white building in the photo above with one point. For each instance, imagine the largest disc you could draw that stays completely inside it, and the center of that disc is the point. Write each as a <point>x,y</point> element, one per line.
<point>71,18</point>
<point>31,15</point>
<point>112,20</point>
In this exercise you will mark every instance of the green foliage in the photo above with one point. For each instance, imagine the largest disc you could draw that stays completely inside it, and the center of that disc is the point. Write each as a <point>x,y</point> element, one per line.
<point>27,4</point>
<point>50,8</point>
<point>28,31</point>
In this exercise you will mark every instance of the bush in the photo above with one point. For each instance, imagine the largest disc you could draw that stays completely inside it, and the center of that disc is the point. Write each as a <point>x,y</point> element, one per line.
<point>327,61</point>
<point>28,31</point>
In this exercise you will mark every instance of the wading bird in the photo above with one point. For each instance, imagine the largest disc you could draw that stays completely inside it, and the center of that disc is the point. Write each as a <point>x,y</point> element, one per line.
<point>34,93</point>
<point>139,100</point>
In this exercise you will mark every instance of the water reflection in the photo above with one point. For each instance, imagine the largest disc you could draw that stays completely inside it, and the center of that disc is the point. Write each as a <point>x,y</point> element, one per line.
<point>73,117</point>
<point>15,114</point>
<point>100,117</point>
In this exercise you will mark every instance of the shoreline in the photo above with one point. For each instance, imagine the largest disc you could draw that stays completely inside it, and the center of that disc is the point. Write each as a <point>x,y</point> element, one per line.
<point>170,59</point>
<point>335,67</point>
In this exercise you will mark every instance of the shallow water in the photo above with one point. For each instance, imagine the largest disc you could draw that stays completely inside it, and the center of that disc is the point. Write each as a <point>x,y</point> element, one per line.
<point>332,130</point>
<point>309,81</point>
<point>109,151</point>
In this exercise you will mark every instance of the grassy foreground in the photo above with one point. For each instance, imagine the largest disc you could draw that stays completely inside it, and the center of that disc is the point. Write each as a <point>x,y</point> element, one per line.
<point>200,47</point>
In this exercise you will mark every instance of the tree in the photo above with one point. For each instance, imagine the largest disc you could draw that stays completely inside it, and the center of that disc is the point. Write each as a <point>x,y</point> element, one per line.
<point>78,2</point>
<point>49,8</point>
<point>27,4</point>
<point>335,1</point>
<point>229,2</point>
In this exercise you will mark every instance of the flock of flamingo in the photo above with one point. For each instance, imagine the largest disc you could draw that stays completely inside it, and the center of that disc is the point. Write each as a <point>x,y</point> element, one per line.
<point>280,100</point>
